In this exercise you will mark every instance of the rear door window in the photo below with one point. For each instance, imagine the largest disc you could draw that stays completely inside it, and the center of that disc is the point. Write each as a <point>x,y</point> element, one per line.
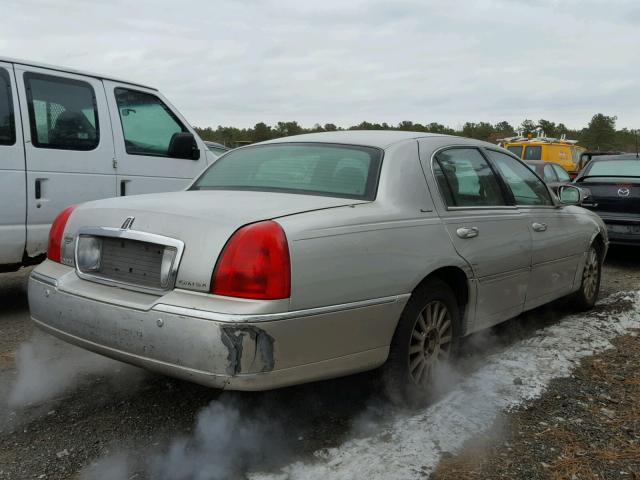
<point>466,179</point>
<point>563,176</point>
<point>62,112</point>
<point>532,153</point>
<point>147,123</point>
<point>526,187</point>
<point>7,119</point>
<point>549,174</point>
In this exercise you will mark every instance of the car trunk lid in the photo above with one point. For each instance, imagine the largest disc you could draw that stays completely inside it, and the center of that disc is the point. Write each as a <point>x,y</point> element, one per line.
<point>203,220</point>
<point>613,196</point>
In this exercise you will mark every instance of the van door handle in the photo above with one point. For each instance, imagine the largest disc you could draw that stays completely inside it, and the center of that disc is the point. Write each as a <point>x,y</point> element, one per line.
<point>539,227</point>
<point>38,189</point>
<point>467,232</point>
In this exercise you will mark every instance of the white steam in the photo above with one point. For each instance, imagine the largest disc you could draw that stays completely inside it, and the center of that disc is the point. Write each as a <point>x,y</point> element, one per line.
<point>411,445</point>
<point>47,367</point>
<point>112,467</point>
<point>232,442</point>
<point>225,443</point>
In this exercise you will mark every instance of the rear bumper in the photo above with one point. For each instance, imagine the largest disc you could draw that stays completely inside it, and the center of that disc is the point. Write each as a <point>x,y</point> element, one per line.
<point>622,231</point>
<point>238,352</point>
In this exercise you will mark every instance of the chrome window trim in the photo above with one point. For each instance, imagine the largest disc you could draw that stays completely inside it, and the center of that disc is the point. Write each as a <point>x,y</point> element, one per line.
<point>497,207</point>
<point>131,235</point>
<point>271,317</point>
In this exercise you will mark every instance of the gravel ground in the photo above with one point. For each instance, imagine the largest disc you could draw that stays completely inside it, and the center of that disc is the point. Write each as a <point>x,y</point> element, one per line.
<point>75,408</point>
<point>586,426</point>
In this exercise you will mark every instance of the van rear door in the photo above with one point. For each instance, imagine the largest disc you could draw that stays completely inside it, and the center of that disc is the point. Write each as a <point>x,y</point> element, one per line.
<point>68,146</point>
<point>143,124</point>
<point>12,183</point>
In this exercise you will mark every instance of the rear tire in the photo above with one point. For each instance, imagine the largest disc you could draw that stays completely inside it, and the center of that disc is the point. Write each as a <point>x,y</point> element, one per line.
<point>423,342</point>
<point>586,297</point>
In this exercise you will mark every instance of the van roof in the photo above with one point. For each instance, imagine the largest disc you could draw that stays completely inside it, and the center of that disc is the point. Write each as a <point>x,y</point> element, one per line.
<point>70,70</point>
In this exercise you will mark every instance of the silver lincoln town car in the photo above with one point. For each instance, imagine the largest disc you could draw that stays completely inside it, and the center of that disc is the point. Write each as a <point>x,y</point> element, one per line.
<point>317,256</point>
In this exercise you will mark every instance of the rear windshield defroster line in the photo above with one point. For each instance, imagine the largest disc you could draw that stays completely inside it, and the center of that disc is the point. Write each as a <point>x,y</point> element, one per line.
<point>325,169</point>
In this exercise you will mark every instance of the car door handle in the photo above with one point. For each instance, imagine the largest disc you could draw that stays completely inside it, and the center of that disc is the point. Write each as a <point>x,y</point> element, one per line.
<point>467,232</point>
<point>38,189</point>
<point>539,227</point>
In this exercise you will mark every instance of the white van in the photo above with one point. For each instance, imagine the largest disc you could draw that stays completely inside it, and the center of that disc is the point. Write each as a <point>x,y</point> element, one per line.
<point>67,137</point>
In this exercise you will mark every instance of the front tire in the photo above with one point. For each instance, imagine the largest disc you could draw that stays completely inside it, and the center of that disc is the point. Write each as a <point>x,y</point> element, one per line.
<point>585,298</point>
<point>423,342</point>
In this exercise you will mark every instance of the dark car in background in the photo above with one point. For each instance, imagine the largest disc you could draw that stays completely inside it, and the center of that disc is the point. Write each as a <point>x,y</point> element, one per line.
<point>552,173</point>
<point>612,183</point>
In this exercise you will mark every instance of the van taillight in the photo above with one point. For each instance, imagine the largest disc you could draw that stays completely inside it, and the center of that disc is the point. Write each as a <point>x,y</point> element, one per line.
<point>254,264</point>
<point>56,232</point>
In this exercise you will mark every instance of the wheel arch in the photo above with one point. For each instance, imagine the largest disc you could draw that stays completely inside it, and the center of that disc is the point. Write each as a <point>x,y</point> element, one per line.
<point>456,279</point>
<point>600,244</point>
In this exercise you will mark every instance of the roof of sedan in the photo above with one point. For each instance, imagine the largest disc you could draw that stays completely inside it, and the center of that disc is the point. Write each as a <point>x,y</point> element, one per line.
<point>623,156</point>
<point>540,162</point>
<point>373,138</point>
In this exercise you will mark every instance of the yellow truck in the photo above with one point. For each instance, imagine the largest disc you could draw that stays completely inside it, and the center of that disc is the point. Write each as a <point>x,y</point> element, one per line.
<point>558,150</point>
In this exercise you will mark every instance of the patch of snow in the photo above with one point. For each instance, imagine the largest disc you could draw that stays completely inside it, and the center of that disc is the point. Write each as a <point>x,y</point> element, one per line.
<point>411,445</point>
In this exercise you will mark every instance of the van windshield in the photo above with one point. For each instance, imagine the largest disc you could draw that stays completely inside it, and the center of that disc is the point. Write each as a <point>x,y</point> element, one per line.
<point>308,168</point>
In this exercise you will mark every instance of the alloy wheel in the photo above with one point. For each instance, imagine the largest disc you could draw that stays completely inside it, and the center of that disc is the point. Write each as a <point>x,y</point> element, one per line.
<point>590,274</point>
<point>430,341</point>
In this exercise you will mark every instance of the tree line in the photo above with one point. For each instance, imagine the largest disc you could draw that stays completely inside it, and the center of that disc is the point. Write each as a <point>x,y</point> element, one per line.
<point>600,134</point>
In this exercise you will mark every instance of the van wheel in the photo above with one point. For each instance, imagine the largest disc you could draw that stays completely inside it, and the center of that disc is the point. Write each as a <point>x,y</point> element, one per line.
<point>422,343</point>
<point>585,298</point>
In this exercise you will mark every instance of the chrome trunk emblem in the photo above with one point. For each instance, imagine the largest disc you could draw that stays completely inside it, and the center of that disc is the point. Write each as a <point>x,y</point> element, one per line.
<point>126,225</point>
<point>623,192</point>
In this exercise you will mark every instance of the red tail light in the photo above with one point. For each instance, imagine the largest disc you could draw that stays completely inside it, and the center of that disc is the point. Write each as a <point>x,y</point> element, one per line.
<point>254,264</point>
<point>55,234</point>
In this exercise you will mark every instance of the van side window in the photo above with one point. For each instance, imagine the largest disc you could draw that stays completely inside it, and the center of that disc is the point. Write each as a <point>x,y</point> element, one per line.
<point>532,153</point>
<point>62,112</point>
<point>147,123</point>
<point>516,150</point>
<point>7,125</point>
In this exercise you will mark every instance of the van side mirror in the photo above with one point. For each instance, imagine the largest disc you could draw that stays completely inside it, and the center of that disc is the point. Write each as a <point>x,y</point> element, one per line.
<point>183,145</point>
<point>570,195</point>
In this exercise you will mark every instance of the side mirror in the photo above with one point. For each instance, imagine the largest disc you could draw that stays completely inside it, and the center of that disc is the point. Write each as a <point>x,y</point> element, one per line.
<point>183,145</point>
<point>570,195</point>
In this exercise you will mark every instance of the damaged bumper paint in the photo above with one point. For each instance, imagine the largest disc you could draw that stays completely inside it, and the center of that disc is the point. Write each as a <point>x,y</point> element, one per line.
<point>222,350</point>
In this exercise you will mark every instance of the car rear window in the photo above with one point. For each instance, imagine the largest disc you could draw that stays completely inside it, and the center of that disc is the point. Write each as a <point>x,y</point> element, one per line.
<point>614,168</point>
<point>306,168</point>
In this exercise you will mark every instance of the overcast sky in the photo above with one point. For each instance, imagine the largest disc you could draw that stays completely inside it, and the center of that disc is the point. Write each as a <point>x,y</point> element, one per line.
<point>245,61</point>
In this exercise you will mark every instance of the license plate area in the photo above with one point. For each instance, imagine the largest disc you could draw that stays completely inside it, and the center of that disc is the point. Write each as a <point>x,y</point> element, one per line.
<point>623,229</point>
<point>129,259</point>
